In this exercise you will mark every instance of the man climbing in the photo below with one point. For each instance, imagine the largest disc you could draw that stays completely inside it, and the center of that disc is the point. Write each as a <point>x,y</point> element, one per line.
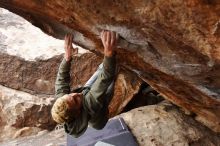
<point>90,106</point>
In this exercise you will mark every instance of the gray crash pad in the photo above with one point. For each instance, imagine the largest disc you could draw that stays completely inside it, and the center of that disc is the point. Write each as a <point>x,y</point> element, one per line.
<point>115,133</point>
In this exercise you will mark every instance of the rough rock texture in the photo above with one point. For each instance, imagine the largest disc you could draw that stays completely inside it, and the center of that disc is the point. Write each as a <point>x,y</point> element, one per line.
<point>172,44</point>
<point>127,85</point>
<point>165,125</point>
<point>22,114</point>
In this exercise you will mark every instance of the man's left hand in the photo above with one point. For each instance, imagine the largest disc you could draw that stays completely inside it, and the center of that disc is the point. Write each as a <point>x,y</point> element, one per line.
<point>109,42</point>
<point>69,50</point>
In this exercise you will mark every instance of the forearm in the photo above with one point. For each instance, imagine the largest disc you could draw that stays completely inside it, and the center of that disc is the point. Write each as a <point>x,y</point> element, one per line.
<point>62,84</point>
<point>94,98</point>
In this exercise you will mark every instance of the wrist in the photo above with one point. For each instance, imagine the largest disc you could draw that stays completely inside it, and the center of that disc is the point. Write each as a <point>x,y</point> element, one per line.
<point>109,52</point>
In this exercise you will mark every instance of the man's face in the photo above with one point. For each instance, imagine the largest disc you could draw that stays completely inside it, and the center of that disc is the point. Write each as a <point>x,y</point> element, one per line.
<point>74,101</point>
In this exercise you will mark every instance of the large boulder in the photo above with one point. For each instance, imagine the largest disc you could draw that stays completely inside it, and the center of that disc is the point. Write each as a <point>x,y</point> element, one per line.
<point>23,114</point>
<point>127,86</point>
<point>171,44</point>
<point>165,124</point>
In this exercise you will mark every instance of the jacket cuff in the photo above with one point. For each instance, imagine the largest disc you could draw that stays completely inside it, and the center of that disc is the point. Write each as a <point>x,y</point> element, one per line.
<point>65,65</point>
<point>109,62</point>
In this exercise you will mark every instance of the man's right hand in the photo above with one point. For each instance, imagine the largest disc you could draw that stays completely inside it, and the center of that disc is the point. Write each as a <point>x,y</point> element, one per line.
<point>69,50</point>
<point>109,42</point>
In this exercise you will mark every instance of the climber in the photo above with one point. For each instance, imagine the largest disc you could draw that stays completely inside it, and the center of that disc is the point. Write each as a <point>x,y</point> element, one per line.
<point>89,106</point>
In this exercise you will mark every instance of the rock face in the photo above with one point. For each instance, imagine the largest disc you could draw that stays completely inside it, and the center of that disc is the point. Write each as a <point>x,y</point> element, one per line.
<point>127,85</point>
<point>165,125</point>
<point>171,44</point>
<point>23,114</point>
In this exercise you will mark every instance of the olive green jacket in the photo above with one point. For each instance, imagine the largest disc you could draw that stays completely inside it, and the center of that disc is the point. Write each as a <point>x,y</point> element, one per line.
<point>95,109</point>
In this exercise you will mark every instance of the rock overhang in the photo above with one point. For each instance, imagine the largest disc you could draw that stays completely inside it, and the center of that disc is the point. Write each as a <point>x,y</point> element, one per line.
<point>172,45</point>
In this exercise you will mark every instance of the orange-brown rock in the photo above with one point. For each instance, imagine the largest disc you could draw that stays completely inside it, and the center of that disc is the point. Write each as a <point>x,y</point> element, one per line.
<point>127,85</point>
<point>171,44</point>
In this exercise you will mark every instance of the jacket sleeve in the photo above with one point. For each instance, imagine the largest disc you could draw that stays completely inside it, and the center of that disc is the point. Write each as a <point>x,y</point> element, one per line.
<point>62,84</point>
<point>94,100</point>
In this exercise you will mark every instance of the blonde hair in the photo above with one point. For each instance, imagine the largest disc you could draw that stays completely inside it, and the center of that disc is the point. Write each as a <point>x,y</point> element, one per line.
<point>59,110</point>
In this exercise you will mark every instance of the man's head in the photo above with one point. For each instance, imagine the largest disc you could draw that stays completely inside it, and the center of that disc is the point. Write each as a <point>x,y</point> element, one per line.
<point>67,107</point>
